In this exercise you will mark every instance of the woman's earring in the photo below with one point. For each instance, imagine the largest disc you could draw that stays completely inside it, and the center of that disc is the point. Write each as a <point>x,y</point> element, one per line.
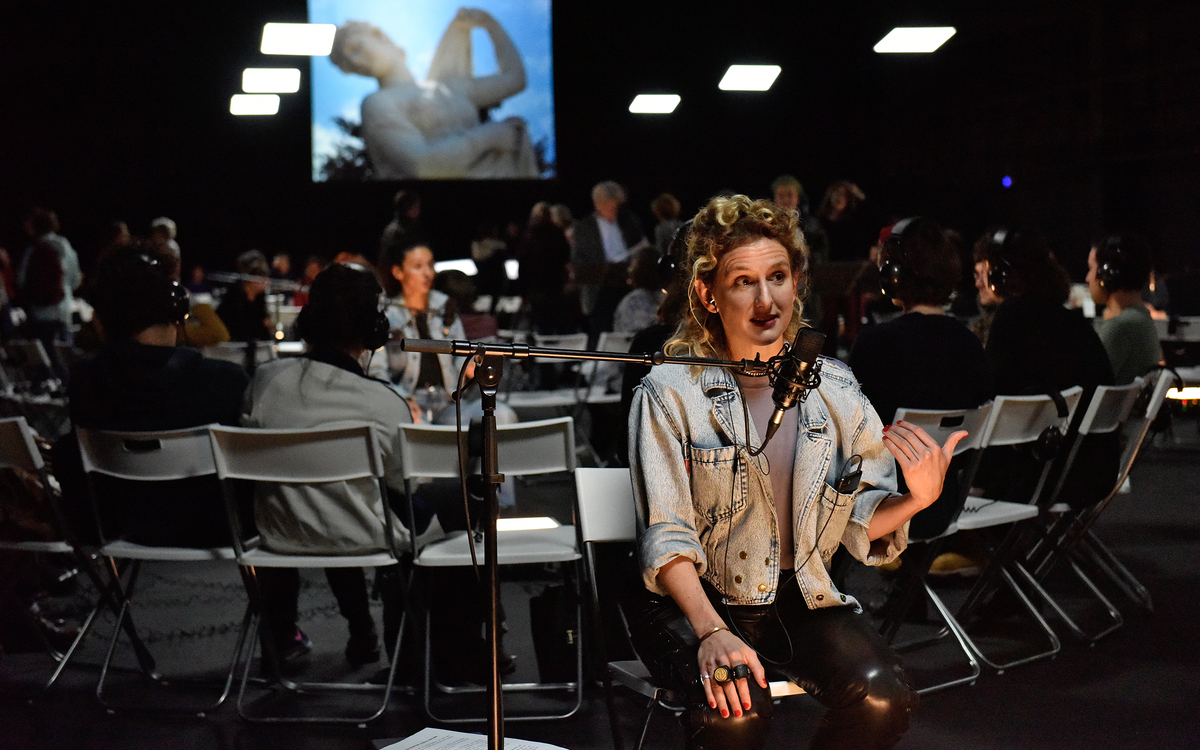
<point>713,301</point>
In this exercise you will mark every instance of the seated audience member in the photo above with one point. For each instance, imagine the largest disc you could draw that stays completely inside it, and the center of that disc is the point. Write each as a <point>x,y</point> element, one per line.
<point>638,307</point>
<point>343,324</point>
<point>666,210</point>
<point>925,359</point>
<point>461,290</point>
<point>1119,268</point>
<point>140,380</point>
<point>1036,345</point>
<point>243,308</point>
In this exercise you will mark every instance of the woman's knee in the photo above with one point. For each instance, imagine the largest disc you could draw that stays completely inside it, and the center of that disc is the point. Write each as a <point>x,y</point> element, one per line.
<point>876,707</point>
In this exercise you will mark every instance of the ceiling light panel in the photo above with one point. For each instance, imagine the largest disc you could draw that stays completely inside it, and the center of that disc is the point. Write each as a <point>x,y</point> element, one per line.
<point>254,104</point>
<point>914,39</point>
<point>654,104</point>
<point>312,39</point>
<point>749,77</point>
<point>271,80</point>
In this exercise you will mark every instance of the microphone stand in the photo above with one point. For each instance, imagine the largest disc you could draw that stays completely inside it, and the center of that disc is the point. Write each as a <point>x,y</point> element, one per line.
<point>489,370</point>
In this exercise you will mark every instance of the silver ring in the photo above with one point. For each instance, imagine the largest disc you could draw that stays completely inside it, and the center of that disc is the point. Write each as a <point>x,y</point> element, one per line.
<point>703,676</point>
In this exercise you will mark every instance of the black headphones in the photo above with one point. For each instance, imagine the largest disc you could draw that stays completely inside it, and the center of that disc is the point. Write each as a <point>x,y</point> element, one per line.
<point>891,271</point>
<point>669,266</point>
<point>134,291</point>
<point>1000,271</point>
<point>1045,448</point>
<point>1110,269</point>
<point>344,304</point>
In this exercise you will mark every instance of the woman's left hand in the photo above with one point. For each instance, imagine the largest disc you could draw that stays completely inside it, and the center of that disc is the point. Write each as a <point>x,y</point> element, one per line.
<point>922,461</point>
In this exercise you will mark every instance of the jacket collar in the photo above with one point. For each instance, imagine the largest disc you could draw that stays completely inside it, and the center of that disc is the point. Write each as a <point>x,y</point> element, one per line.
<point>720,385</point>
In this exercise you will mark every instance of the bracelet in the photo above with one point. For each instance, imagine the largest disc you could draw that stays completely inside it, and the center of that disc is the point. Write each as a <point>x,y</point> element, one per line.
<point>714,631</point>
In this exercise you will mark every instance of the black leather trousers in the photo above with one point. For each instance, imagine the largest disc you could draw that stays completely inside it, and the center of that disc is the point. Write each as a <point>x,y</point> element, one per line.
<point>833,653</point>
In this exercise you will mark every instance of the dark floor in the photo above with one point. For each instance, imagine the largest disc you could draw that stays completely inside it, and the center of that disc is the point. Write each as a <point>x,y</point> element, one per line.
<point>1138,688</point>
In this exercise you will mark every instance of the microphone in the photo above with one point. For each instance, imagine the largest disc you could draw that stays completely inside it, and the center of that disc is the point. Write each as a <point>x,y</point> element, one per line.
<point>796,373</point>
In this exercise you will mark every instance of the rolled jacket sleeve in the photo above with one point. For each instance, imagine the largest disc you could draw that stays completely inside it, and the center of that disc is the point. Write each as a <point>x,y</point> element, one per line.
<point>662,488</point>
<point>877,484</point>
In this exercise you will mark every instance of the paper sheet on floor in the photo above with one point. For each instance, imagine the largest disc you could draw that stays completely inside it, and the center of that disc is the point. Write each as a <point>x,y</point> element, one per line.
<point>445,739</point>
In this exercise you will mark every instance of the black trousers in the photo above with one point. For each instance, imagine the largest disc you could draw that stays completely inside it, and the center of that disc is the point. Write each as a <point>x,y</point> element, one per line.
<point>833,653</point>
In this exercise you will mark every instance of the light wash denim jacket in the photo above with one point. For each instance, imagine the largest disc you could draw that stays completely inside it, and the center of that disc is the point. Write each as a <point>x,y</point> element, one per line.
<point>404,367</point>
<point>700,497</point>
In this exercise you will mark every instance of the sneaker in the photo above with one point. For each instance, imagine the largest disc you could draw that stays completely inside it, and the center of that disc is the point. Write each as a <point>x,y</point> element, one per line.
<point>295,647</point>
<point>954,564</point>
<point>362,649</point>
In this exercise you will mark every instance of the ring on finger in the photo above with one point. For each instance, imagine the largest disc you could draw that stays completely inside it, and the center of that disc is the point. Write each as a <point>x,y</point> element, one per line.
<point>741,671</point>
<point>722,674</point>
<point>704,676</point>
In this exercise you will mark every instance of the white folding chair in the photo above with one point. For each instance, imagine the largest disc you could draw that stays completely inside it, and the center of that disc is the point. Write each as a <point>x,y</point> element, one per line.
<point>607,515</point>
<point>1015,420</point>
<point>148,457</point>
<point>596,374</point>
<point>248,354</point>
<point>526,448</point>
<point>940,424</point>
<point>18,450</point>
<point>342,453</point>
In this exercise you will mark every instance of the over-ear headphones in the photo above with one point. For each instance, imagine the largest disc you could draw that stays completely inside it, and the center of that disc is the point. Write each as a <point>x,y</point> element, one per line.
<point>343,308</point>
<point>1045,448</point>
<point>891,270</point>
<point>134,291</point>
<point>670,265</point>
<point>1110,260</point>
<point>1000,271</point>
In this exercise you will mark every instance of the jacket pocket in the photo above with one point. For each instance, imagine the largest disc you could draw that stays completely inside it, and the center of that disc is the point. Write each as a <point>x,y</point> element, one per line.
<point>833,513</point>
<point>716,489</point>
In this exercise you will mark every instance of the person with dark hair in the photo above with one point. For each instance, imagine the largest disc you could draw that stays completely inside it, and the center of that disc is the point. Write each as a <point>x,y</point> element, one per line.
<point>243,307</point>
<point>140,380</point>
<point>1119,267</point>
<point>924,359</point>
<point>1036,345</point>
<point>543,257</point>
<point>734,548</point>
<point>343,324</point>
<point>666,210</point>
<point>638,307</point>
<point>47,278</point>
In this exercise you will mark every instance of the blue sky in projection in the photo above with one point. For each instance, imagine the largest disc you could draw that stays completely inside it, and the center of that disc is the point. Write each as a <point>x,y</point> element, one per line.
<point>417,26</point>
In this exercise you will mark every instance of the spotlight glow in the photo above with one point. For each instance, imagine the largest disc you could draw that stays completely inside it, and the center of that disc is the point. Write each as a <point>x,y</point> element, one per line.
<point>654,104</point>
<point>914,39</point>
<point>271,80</point>
<point>312,39</point>
<point>254,104</point>
<point>466,265</point>
<point>749,77</point>
<point>1184,394</point>
<point>1006,181</point>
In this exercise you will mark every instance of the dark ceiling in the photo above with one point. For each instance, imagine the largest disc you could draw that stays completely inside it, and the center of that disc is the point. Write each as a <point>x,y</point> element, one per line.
<point>120,110</point>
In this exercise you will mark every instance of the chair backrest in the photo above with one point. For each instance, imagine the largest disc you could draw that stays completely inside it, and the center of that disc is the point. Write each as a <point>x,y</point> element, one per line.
<point>596,373</point>
<point>236,351</point>
<point>1022,419</point>
<point>1178,328</point>
<point>538,447</point>
<point>572,341</point>
<point>606,505</point>
<point>146,456</point>
<point>17,447</point>
<point>338,453</point>
<point>941,423</point>
<point>1110,407</point>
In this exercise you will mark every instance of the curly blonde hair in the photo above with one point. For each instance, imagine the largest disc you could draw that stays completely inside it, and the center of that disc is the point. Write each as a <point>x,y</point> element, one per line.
<point>725,224</point>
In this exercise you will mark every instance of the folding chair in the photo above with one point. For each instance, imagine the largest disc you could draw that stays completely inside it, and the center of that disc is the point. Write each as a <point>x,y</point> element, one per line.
<point>607,516</point>
<point>149,457</point>
<point>596,373</point>
<point>1074,540</point>
<point>19,451</point>
<point>1015,420</point>
<point>345,453</point>
<point>526,448</point>
<point>248,354</point>
<point>940,424</point>
<point>1107,411</point>
<point>539,403</point>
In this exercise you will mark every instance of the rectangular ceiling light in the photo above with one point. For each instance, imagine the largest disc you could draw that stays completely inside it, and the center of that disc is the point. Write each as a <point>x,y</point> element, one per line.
<point>654,104</point>
<point>915,39</point>
<point>749,77</point>
<point>466,265</point>
<point>254,104</point>
<point>271,80</point>
<point>313,39</point>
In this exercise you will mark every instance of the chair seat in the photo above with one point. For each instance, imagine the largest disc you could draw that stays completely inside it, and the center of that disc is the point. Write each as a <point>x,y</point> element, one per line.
<point>47,547</point>
<point>982,513</point>
<point>131,551</point>
<point>516,548</point>
<point>561,398</point>
<point>261,558</point>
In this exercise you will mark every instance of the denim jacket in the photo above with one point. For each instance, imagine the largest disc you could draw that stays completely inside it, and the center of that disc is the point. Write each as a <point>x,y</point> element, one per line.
<point>404,367</point>
<point>701,495</point>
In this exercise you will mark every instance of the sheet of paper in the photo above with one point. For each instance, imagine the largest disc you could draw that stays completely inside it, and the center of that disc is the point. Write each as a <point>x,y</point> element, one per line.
<point>445,739</point>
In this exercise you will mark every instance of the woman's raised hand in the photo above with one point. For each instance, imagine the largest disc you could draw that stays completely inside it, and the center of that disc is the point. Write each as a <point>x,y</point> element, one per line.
<point>922,461</point>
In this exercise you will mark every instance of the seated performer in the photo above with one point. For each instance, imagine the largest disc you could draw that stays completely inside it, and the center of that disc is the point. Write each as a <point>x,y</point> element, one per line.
<point>735,547</point>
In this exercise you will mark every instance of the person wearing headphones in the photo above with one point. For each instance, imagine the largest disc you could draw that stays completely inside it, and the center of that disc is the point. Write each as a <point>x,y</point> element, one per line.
<point>1119,267</point>
<point>342,324</point>
<point>1037,345</point>
<point>924,359</point>
<point>138,381</point>
<point>734,547</point>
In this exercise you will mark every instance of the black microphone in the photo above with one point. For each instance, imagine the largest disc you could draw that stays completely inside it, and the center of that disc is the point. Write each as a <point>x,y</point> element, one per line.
<point>798,372</point>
